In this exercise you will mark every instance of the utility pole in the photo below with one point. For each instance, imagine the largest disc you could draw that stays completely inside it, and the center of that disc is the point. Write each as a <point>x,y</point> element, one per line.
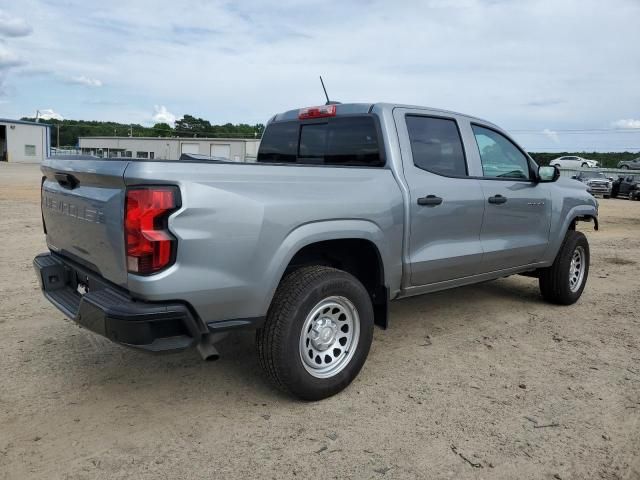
<point>58,136</point>
<point>131,130</point>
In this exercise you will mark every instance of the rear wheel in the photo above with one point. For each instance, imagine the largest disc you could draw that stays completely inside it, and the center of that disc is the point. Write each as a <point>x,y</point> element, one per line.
<point>563,282</point>
<point>318,332</point>
<point>584,165</point>
<point>625,167</point>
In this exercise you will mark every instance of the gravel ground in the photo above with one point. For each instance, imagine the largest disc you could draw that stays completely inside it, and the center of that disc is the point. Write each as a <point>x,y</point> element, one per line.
<point>480,382</point>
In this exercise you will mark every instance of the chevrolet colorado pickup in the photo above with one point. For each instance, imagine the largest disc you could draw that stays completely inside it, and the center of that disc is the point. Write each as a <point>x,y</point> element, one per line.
<point>348,207</point>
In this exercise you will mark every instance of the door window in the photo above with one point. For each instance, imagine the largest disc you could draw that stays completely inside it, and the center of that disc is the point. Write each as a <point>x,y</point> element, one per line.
<point>499,156</point>
<point>436,145</point>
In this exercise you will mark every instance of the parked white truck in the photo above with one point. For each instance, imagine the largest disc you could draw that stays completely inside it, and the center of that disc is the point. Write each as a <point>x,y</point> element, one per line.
<point>348,207</point>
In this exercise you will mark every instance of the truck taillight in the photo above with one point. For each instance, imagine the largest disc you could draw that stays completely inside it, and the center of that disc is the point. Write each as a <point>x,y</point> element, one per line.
<point>150,245</point>
<point>317,112</point>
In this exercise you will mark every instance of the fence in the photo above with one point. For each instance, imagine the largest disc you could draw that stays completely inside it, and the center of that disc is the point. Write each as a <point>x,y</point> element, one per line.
<point>607,172</point>
<point>65,151</point>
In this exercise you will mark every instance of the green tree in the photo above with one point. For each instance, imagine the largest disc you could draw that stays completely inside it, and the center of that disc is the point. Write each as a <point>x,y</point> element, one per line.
<point>192,126</point>
<point>162,130</point>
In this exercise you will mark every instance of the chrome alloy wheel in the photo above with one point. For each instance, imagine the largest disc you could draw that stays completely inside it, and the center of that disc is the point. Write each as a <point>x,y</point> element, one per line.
<point>329,337</point>
<point>577,268</point>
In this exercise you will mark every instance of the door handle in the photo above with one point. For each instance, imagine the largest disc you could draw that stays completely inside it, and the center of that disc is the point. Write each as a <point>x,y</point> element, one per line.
<point>430,200</point>
<point>66,180</point>
<point>497,199</point>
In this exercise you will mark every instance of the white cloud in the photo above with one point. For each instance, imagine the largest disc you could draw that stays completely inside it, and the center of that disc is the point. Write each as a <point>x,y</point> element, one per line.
<point>627,123</point>
<point>8,58</point>
<point>162,115</point>
<point>551,135</point>
<point>13,26</point>
<point>48,114</point>
<point>83,80</point>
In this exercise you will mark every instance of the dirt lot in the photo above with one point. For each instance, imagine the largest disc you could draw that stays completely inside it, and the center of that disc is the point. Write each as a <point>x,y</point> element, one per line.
<point>480,382</point>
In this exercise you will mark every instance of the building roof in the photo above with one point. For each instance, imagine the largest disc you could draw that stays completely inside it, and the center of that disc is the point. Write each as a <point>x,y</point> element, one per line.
<point>24,122</point>
<point>192,139</point>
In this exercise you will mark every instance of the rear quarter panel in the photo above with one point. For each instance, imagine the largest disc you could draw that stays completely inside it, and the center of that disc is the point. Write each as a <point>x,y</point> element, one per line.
<point>240,225</point>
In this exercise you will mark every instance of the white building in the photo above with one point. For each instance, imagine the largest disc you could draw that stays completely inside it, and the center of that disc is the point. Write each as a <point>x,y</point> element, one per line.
<point>21,141</point>
<point>169,148</point>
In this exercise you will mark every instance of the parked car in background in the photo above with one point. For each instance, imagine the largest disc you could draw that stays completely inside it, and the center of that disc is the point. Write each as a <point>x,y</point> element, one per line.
<point>626,186</point>
<point>573,162</point>
<point>597,182</point>
<point>630,164</point>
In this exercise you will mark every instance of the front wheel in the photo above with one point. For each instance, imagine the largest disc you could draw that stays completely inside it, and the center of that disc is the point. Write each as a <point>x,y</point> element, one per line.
<point>563,282</point>
<point>318,332</point>
<point>625,167</point>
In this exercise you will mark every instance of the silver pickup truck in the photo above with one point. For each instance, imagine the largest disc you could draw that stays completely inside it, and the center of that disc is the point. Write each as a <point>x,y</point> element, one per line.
<point>348,207</point>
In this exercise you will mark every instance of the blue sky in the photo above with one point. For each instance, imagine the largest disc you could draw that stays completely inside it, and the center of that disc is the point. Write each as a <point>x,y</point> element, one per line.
<point>558,74</point>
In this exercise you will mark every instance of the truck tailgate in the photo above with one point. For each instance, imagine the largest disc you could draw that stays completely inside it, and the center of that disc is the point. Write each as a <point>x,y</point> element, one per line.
<point>83,211</point>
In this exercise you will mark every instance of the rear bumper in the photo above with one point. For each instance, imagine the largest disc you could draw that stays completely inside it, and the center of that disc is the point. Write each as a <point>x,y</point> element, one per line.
<point>110,312</point>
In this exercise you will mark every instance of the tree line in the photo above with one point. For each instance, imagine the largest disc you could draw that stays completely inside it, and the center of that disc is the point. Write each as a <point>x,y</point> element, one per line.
<point>65,133</point>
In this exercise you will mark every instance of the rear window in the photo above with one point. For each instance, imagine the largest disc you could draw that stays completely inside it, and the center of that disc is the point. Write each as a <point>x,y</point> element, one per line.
<point>348,141</point>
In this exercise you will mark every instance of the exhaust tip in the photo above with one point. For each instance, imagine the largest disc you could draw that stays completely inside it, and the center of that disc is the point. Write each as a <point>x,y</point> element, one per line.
<point>207,351</point>
<point>211,358</point>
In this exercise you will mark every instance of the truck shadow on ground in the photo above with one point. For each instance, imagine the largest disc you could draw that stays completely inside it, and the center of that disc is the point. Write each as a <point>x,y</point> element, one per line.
<point>90,361</point>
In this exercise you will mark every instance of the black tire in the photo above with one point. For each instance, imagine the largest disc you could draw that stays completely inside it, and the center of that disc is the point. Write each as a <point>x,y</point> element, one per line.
<point>624,167</point>
<point>279,340</point>
<point>555,281</point>
<point>584,165</point>
<point>606,196</point>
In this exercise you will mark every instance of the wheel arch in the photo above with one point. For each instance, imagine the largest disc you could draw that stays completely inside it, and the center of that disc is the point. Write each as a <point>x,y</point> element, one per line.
<point>356,246</point>
<point>580,213</point>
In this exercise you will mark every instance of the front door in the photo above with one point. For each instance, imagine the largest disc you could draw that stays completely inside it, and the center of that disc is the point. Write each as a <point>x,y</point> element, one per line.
<point>446,205</point>
<point>517,218</point>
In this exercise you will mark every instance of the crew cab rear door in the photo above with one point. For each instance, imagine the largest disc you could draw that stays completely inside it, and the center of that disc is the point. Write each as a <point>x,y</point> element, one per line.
<point>446,205</point>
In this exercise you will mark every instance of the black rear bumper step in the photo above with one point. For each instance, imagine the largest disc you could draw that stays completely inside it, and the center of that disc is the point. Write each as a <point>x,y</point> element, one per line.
<point>107,311</point>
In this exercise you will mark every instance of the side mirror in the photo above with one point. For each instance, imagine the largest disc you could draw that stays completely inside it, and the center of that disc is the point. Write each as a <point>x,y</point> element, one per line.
<point>548,174</point>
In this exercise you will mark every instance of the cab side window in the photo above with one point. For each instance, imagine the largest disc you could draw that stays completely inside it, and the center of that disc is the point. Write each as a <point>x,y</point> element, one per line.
<point>436,145</point>
<point>499,156</point>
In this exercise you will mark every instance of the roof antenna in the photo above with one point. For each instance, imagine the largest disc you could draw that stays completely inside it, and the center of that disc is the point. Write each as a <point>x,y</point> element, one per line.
<point>329,102</point>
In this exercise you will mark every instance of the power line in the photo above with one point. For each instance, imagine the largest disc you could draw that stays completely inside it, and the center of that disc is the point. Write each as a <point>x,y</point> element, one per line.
<point>580,130</point>
<point>571,132</point>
